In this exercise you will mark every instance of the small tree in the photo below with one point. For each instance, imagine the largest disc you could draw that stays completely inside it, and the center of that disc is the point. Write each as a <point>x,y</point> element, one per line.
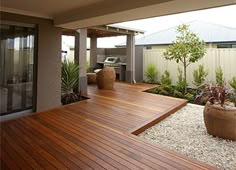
<point>181,84</point>
<point>186,49</point>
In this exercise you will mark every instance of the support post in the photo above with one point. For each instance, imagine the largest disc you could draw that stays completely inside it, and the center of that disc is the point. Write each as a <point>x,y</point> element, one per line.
<point>93,53</point>
<point>130,59</point>
<point>80,58</point>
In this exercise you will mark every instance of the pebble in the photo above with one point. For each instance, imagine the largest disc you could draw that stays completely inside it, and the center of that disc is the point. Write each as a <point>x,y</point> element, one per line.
<point>185,132</point>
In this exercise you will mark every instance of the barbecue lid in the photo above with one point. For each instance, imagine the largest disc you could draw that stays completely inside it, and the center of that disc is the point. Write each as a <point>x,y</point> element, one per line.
<point>112,60</point>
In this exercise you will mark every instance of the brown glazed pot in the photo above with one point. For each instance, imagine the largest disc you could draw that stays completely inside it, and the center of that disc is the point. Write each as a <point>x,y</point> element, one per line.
<point>220,122</point>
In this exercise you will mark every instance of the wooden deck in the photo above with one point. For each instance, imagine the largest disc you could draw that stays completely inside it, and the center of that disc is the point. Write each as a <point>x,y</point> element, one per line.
<point>94,134</point>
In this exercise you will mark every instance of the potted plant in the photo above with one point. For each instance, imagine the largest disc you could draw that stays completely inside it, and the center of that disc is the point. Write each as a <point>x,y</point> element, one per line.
<point>220,111</point>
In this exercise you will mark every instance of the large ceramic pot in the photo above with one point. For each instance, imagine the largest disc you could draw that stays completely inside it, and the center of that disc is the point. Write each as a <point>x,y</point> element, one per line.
<point>220,122</point>
<point>106,78</point>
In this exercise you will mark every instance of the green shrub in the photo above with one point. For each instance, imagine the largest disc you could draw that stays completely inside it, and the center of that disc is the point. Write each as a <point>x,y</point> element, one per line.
<point>177,94</point>
<point>199,76</point>
<point>232,83</point>
<point>87,66</point>
<point>69,82</point>
<point>165,78</point>
<point>164,92</point>
<point>168,88</point>
<point>151,73</point>
<point>232,97</point>
<point>219,76</point>
<point>163,89</point>
<point>204,100</point>
<point>181,84</point>
<point>190,97</point>
<point>155,90</point>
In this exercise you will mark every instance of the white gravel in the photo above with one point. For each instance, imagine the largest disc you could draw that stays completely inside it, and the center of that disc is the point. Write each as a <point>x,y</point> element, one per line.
<point>185,132</point>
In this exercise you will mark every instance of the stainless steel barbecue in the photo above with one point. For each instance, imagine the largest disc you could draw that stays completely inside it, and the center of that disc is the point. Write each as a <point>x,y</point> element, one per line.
<point>117,62</point>
<point>113,62</point>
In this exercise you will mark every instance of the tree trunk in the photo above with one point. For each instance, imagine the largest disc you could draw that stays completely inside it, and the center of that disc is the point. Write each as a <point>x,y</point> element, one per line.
<point>185,76</point>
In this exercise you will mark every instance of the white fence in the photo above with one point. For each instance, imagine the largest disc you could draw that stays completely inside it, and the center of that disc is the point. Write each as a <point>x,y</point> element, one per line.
<point>225,58</point>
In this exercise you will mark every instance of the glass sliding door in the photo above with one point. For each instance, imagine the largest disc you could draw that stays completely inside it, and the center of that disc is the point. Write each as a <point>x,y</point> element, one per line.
<point>17,53</point>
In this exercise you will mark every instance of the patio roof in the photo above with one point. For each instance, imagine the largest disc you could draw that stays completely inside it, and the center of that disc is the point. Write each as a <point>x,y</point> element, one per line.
<point>77,14</point>
<point>106,31</point>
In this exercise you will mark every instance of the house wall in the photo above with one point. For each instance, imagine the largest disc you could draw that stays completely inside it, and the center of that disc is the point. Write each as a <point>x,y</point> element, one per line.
<point>49,67</point>
<point>165,46</point>
<point>115,51</point>
<point>121,52</point>
<point>159,47</point>
<point>71,55</point>
<point>211,45</point>
<point>48,88</point>
<point>101,51</point>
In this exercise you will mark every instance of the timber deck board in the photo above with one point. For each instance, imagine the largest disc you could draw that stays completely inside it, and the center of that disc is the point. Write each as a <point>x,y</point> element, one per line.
<point>94,134</point>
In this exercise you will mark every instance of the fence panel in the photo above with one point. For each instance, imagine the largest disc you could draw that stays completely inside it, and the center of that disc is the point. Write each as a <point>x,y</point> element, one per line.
<point>225,58</point>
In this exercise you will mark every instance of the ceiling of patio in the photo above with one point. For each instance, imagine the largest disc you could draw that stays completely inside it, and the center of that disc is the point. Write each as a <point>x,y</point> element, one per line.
<point>73,14</point>
<point>105,31</point>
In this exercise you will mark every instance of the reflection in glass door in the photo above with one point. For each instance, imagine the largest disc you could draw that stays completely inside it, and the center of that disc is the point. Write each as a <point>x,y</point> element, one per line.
<point>16,68</point>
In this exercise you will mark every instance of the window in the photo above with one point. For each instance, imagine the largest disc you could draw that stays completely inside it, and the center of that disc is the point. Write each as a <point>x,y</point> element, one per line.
<point>224,46</point>
<point>149,47</point>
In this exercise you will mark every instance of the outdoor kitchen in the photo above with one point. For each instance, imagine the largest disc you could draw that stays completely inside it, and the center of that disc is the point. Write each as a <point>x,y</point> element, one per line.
<point>118,62</point>
<point>126,60</point>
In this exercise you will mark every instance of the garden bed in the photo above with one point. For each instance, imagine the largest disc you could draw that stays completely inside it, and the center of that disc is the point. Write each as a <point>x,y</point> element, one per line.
<point>78,99</point>
<point>174,91</point>
<point>185,132</point>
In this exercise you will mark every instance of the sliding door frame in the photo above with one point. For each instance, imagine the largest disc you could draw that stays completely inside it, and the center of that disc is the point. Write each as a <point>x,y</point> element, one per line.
<point>35,64</point>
